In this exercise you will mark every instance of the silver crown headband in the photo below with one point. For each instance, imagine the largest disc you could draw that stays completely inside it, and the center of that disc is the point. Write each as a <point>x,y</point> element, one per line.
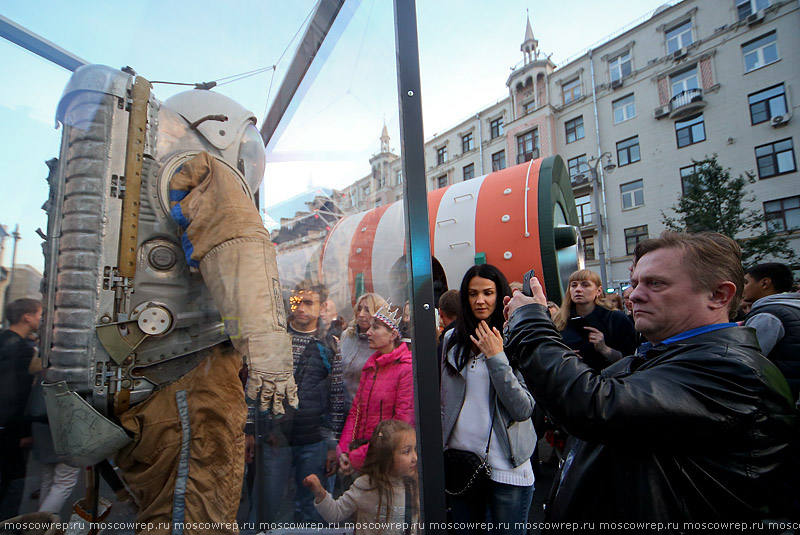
<point>388,317</point>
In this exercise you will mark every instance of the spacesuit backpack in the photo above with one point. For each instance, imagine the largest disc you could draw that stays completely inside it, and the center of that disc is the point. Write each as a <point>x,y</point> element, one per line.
<point>155,252</point>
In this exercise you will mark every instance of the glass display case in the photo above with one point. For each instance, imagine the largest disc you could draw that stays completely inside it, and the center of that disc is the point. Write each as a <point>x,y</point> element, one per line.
<point>297,130</point>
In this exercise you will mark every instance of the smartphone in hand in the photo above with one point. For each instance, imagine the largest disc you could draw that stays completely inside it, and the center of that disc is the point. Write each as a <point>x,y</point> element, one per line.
<point>526,290</point>
<point>526,282</point>
<point>579,323</point>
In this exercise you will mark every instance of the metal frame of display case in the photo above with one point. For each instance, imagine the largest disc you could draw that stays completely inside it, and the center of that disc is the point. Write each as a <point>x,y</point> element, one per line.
<point>423,322</point>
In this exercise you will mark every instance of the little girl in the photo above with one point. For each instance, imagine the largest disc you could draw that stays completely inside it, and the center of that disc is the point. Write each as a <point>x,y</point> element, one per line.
<point>388,483</point>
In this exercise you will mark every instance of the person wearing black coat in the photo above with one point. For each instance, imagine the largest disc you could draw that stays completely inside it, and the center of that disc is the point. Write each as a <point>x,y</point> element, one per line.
<point>696,427</point>
<point>598,334</point>
<point>16,381</point>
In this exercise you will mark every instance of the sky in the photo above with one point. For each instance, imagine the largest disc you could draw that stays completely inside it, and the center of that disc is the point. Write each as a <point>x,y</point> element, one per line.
<point>467,51</point>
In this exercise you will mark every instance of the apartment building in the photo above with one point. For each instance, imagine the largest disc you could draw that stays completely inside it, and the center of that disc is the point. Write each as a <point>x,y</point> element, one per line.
<point>692,79</point>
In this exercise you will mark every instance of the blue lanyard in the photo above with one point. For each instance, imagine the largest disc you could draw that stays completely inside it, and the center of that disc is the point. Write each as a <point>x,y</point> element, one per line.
<point>647,346</point>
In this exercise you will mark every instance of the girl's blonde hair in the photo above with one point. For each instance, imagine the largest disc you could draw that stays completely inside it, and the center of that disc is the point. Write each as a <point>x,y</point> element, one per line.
<point>374,302</point>
<point>379,463</point>
<point>562,316</point>
<point>614,302</point>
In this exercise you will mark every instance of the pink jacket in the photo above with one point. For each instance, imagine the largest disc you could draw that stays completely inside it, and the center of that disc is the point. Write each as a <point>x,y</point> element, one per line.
<point>385,392</point>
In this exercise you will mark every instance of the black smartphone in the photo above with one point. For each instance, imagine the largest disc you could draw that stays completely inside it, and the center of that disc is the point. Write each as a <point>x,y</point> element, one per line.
<point>526,282</point>
<point>579,322</point>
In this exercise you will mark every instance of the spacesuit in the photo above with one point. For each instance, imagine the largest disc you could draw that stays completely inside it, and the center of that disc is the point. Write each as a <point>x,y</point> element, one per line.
<point>159,278</point>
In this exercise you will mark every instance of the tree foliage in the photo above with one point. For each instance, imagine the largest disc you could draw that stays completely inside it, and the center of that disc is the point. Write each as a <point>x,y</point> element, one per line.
<point>712,201</point>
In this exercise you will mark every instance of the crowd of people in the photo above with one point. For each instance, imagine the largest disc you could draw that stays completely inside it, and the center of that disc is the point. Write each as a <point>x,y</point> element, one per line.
<point>665,407</point>
<point>671,401</point>
<point>24,425</point>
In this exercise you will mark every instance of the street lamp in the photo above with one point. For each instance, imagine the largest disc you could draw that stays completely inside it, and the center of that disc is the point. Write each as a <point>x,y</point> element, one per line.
<point>608,167</point>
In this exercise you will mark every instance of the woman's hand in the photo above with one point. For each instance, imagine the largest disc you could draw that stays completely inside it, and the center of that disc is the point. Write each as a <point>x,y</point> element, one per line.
<point>331,462</point>
<point>489,341</point>
<point>597,339</point>
<point>345,468</point>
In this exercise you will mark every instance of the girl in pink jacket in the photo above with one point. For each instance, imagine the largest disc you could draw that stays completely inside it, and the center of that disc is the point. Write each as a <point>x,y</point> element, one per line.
<point>385,391</point>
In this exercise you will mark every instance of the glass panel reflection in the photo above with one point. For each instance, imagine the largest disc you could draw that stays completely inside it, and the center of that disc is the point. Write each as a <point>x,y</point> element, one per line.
<point>147,322</point>
<point>159,281</point>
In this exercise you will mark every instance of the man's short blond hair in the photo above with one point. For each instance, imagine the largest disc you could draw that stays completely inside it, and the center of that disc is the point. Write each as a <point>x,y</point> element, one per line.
<point>710,258</point>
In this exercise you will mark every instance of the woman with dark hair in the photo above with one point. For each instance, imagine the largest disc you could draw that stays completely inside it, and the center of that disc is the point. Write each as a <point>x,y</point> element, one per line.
<point>599,335</point>
<point>486,407</point>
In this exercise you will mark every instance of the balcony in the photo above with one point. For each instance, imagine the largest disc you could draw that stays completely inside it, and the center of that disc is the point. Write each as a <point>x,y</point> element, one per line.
<point>581,179</point>
<point>585,217</point>
<point>527,156</point>
<point>686,103</point>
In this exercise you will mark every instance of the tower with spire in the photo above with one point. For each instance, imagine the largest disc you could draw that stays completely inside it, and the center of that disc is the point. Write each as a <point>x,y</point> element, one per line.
<point>383,182</point>
<point>528,89</point>
<point>385,139</point>
<point>527,82</point>
<point>530,46</point>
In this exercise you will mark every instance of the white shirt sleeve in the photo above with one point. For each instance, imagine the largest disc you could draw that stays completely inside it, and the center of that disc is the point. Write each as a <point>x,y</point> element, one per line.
<point>769,331</point>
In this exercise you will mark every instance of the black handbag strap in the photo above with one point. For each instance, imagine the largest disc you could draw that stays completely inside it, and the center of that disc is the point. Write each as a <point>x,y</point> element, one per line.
<point>493,408</point>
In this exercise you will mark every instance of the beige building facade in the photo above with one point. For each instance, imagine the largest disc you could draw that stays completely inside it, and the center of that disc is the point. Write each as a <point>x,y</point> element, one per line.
<point>693,79</point>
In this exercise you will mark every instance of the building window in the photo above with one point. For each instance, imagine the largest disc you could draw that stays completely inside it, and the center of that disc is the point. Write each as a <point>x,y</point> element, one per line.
<point>441,155</point>
<point>690,131</point>
<point>679,37</point>
<point>496,127</point>
<point>400,176</point>
<point>578,166</point>
<point>528,107</point>
<point>620,67</point>
<point>381,181</point>
<point>633,236</point>
<point>571,90</point>
<point>584,207</point>
<point>499,160</point>
<point>632,194</point>
<point>783,214</point>
<point>686,173</point>
<point>745,8</point>
<point>366,190</point>
<point>624,109</point>
<point>442,181</point>
<point>760,52</point>
<point>466,143</point>
<point>767,104</point>
<point>588,248</point>
<point>574,129</point>
<point>469,171</point>
<point>628,151</point>
<point>684,81</point>
<point>527,143</point>
<point>378,202</point>
<point>775,158</point>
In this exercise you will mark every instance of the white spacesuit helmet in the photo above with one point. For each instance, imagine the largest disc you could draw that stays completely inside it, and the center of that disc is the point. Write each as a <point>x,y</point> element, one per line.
<point>226,125</point>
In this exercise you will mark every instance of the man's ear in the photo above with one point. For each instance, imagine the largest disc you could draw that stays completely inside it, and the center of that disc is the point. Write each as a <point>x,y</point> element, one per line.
<point>765,283</point>
<point>721,295</point>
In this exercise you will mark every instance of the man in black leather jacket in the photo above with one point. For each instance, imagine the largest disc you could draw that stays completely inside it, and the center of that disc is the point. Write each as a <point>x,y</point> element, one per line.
<point>694,428</point>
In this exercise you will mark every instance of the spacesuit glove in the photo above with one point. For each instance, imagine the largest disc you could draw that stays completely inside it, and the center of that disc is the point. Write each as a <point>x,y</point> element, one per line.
<point>270,389</point>
<point>269,365</point>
